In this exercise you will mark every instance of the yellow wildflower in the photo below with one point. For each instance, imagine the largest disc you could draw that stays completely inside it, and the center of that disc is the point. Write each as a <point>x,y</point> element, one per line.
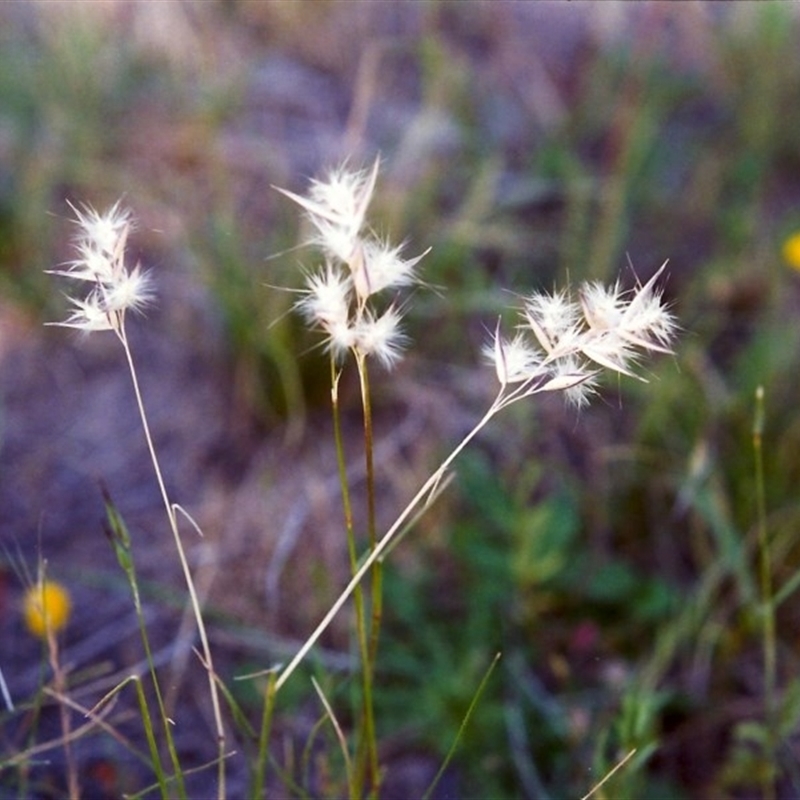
<point>46,607</point>
<point>791,251</point>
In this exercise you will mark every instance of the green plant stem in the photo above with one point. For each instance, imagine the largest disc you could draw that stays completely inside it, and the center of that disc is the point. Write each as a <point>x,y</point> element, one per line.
<point>768,609</point>
<point>121,542</point>
<point>462,727</point>
<point>341,464</point>
<point>357,783</point>
<point>376,595</point>
<point>372,533</point>
<point>263,737</point>
<point>173,523</point>
<point>149,734</point>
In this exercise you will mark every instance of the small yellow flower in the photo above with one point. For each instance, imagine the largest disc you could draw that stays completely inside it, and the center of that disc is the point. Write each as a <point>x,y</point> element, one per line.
<point>46,607</point>
<point>791,251</point>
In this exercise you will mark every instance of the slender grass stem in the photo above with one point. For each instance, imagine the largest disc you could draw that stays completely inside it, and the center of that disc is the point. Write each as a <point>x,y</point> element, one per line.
<point>372,526</point>
<point>150,736</point>
<point>358,775</point>
<point>173,522</point>
<point>610,774</point>
<point>376,594</point>
<point>263,737</point>
<point>341,738</point>
<point>768,608</point>
<point>341,464</point>
<point>462,727</point>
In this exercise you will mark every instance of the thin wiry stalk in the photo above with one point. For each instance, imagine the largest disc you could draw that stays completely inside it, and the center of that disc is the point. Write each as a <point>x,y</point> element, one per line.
<point>33,752</point>
<point>368,732</point>
<point>341,463</point>
<point>618,766</point>
<point>173,523</point>
<point>263,736</point>
<point>767,606</point>
<point>149,733</point>
<point>60,684</point>
<point>462,727</point>
<point>348,768</point>
<point>376,600</point>
<point>372,532</point>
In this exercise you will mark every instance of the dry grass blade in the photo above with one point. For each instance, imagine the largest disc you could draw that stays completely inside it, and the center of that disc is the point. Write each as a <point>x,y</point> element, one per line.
<point>338,728</point>
<point>610,773</point>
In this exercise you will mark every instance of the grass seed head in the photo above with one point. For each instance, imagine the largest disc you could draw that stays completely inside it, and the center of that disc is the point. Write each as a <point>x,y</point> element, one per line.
<point>340,299</point>
<point>100,244</point>
<point>561,343</point>
<point>380,336</point>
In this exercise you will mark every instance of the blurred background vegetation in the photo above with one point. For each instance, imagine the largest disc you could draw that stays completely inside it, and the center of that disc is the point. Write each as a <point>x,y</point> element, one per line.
<point>611,556</point>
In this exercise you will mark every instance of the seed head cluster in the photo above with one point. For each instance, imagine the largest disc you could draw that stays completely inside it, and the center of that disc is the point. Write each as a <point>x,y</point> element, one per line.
<point>340,298</point>
<point>113,289</point>
<point>561,343</point>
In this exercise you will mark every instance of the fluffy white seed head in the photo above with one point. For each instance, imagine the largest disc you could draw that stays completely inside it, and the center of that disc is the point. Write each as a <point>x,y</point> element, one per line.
<point>337,207</point>
<point>103,232</point>
<point>515,360</point>
<point>562,343</point>
<point>341,338</point>
<point>340,299</point>
<point>327,298</point>
<point>574,379</point>
<point>646,321</point>
<point>551,317</point>
<point>640,321</point>
<point>100,244</point>
<point>602,307</point>
<point>129,291</point>
<point>380,336</point>
<point>380,267</point>
<point>343,197</point>
<point>88,315</point>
